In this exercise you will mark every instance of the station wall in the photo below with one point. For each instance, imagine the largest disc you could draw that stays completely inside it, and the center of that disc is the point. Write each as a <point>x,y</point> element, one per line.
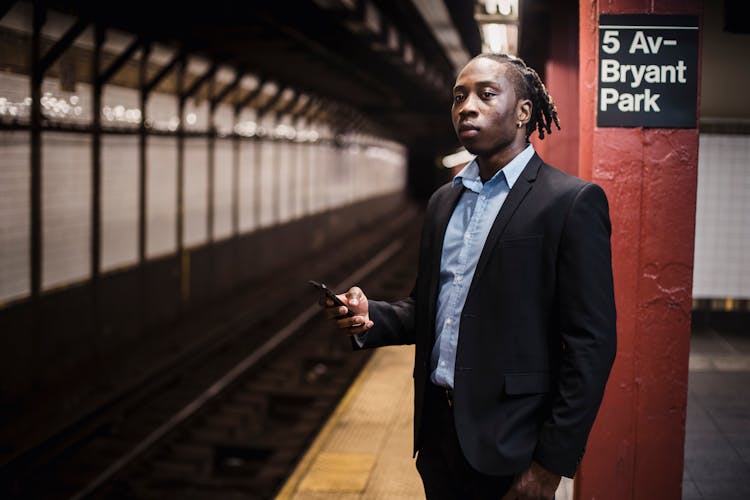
<point>195,198</point>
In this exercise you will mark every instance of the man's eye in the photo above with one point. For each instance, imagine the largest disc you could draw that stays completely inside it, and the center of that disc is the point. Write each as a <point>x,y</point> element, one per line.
<point>488,95</point>
<point>458,98</point>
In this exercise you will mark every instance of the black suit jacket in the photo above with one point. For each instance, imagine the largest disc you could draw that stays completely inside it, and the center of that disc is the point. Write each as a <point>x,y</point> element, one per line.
<point>537,333</point>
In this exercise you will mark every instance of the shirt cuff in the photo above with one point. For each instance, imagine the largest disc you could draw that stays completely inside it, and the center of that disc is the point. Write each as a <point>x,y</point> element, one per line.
<point>360,339</point>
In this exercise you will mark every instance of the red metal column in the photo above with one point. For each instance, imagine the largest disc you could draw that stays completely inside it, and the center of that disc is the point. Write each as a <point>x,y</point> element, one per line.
<point>636,448</point>
<point>561,78</point>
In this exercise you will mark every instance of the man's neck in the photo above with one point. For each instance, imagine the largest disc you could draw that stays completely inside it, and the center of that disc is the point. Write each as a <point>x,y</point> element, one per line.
<point>489,166</point>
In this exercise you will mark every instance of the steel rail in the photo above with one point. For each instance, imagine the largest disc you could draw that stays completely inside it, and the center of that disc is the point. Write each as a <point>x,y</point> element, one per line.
<point>232,375</point>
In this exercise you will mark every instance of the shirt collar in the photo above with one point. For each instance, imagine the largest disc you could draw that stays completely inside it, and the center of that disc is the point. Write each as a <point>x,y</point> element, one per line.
<point>469,175</point>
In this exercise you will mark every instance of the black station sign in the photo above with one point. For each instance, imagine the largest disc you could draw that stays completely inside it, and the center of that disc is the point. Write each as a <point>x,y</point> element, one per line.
<point>648,71</point>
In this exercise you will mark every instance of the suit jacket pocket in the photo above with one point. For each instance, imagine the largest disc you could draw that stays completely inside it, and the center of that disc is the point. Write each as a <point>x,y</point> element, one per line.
<point>526,383</point>
<point>524,241</point>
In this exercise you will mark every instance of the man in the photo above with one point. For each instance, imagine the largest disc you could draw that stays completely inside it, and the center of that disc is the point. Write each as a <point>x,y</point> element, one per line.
<point>513,311</point>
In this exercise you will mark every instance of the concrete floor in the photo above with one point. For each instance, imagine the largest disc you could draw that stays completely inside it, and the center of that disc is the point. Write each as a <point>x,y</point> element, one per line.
<point>368,439</point>
<point>717,441</point>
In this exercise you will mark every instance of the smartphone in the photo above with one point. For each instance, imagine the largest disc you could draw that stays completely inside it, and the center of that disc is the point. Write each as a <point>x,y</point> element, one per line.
<point>329,294</point>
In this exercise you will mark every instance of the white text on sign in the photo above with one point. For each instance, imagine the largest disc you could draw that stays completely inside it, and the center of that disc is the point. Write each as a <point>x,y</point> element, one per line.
<point>636,74</point>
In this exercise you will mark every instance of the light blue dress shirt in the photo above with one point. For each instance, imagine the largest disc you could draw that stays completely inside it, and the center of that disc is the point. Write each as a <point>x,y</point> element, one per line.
<point>464,239</point>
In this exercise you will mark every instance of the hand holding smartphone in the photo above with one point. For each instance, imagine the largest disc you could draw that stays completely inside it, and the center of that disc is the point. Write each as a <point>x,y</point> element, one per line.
<point>336,301</point>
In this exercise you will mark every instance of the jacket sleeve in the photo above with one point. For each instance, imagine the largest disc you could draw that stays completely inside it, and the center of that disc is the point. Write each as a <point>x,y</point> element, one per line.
<point>393,324</point>
<point>586,317</point>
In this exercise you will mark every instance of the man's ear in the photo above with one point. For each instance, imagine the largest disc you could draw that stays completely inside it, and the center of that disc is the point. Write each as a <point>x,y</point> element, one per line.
<point>523,111</point>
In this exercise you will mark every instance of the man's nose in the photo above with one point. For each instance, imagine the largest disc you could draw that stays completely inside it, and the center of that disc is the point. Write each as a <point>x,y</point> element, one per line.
<point>468,107</point>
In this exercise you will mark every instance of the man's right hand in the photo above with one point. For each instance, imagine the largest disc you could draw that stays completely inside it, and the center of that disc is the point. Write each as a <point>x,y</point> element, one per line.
<point>356,300</point>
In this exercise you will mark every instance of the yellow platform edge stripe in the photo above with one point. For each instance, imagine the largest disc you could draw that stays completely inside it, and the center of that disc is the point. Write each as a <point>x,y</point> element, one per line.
<point>303,467</point>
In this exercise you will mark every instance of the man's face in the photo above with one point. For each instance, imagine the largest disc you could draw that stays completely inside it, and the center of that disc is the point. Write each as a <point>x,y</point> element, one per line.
<point>485,108</point>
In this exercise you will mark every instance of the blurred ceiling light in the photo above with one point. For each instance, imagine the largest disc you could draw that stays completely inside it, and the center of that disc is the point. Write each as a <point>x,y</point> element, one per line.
<point>456,159</point>
<point>198,65</point>
<point>438,18</point>
<point>502,7</point>
<point>269,89</point>
<point>496,37</point>
<point>498,22</point>
<point>249,82</point>
<point>225,74</point>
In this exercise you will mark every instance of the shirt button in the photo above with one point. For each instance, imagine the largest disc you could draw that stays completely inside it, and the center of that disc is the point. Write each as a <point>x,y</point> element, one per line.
<point>458,279</point>
<point>448,321</point>
<point>442,363</point>
<point>483,197</point>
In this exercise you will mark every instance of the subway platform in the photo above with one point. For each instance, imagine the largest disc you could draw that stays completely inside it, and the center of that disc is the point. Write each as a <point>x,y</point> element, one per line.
<point>364,450</point>
<point>717,439</point>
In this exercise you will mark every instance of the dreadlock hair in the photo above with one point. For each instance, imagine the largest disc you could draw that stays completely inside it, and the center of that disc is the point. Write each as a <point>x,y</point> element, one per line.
<point>529,86</point>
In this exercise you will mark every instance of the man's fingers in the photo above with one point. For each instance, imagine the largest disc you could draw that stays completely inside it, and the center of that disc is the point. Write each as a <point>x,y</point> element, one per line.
<point>335,312</point>
<point>354,301</point>
<point>354,325</point>
<point>353,322</point>
<point>354,296</point>
<point>362,328</point>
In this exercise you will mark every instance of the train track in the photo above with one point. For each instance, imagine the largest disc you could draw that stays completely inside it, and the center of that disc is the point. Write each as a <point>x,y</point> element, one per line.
<point>232,420</point>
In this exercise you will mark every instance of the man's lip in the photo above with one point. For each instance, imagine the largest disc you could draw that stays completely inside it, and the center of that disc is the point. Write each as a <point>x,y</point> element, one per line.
<point>466,126</point>
<point>467,131</point>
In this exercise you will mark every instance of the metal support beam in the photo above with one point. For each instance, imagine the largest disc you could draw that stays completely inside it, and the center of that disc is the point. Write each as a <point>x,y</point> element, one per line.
<point>257,188</point>
<point>39,17</point>
<point>151,85</point>
<point>297,115</point>
<point>238,107</point>
<point>211,161</point>
<point>305,153</point>
<point>307,178</point>
<point>96,168</point>
<point>359,122</point>
<point>143,98</point>
<point>196,85</point>
<point>118,63</point>
<point>37,75</point>
<point>235,184</point>
<point>142,136</point>
<point>272,101</point>
<point>294,149</point>
<point>216,100</point>
<point>54,53</point>
<point>184,273</point>
<point>262,111</point>
<point>341,116</point>
<point>242,103</point>
<point>322,104</point>
<point>293,152</point>
<point>291,104</point>
<point>5,7</point>
<point>331,57</point>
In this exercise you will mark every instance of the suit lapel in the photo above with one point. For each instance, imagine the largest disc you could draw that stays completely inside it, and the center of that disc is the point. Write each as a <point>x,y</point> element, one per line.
<point>443,213</point>
<point>516,195</point>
